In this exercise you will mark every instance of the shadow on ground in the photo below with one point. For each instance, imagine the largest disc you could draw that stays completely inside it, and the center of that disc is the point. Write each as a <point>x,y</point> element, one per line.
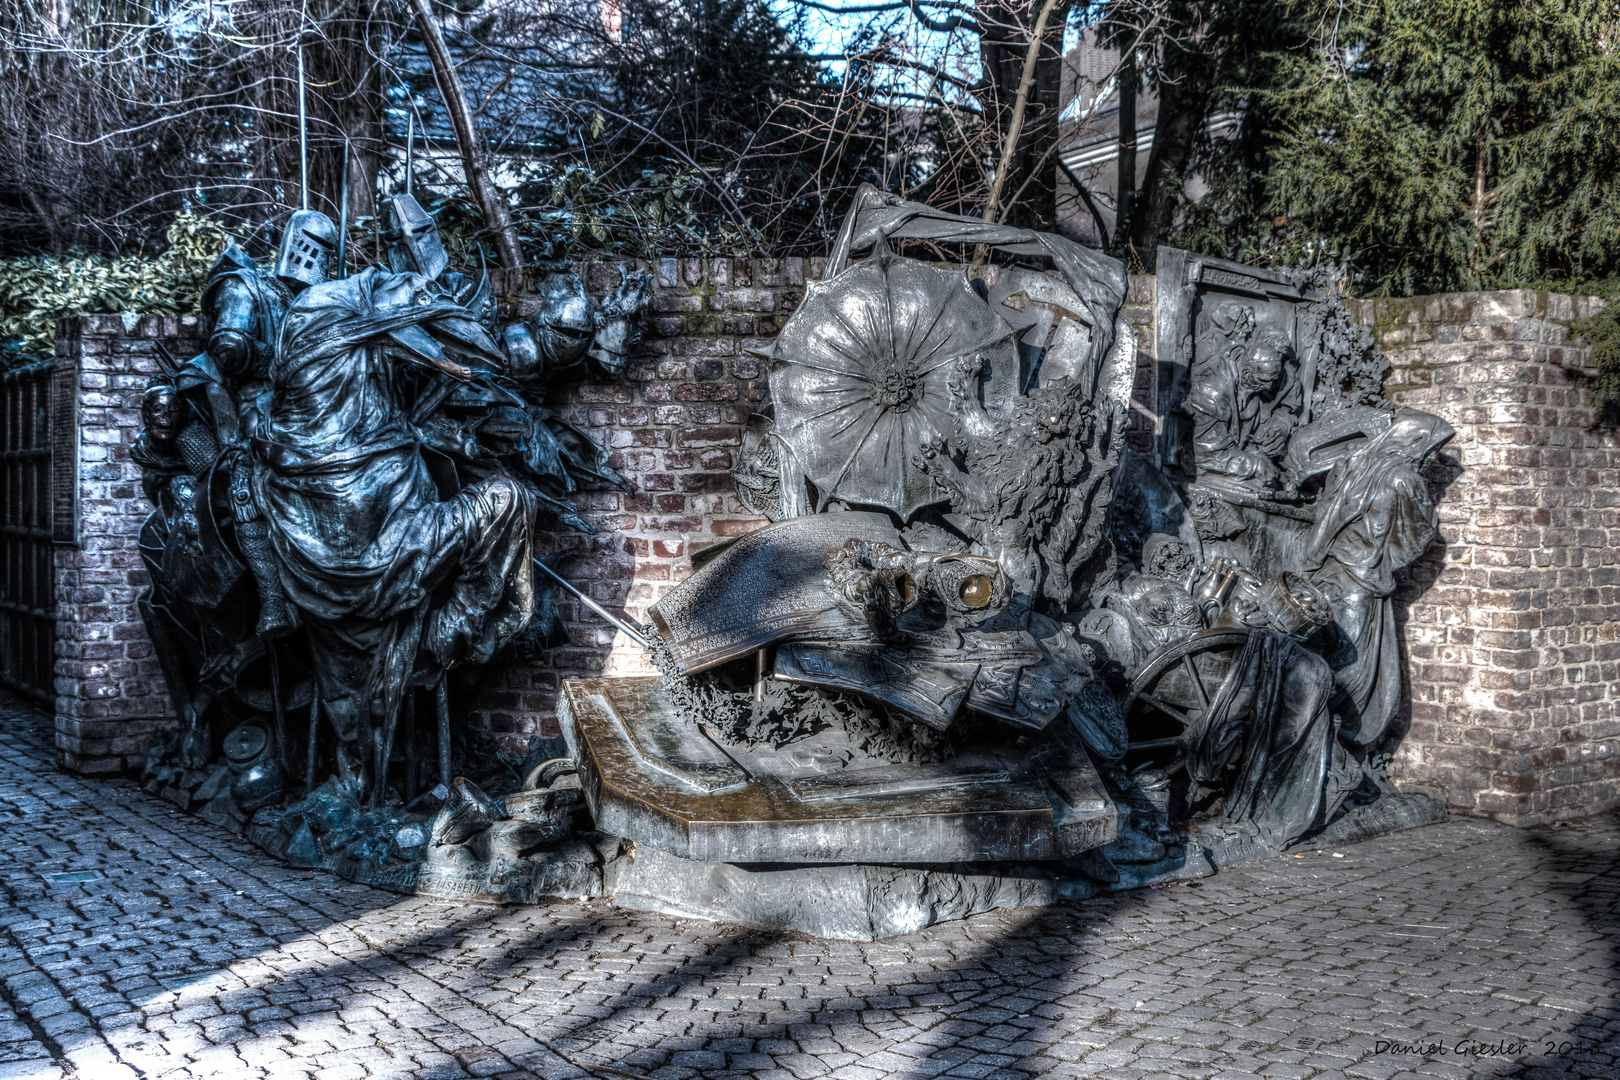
<point>193,954</point>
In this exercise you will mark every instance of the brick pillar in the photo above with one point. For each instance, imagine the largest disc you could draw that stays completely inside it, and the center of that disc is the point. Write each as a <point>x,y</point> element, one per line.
<point>1513,626</point>
<point>110,695</point>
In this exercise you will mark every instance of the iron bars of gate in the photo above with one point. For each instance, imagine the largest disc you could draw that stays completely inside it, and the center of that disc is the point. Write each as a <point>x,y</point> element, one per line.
<point>27,576</point>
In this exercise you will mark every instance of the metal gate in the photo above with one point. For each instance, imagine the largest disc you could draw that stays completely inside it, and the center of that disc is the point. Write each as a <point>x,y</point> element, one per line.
<point>27,577</point>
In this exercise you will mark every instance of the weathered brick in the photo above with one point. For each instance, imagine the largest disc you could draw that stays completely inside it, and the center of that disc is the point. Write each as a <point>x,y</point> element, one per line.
<point>1512,627</point>
<point>1524,461</point>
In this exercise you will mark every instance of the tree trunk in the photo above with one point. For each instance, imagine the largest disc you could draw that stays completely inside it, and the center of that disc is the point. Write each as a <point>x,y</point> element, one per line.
<point>1029,191</point>
<point>1186,87</point>
<point>1476,254</point>
<point>360,116</point>
<point>275,85</point>
<point>345,114</point>
<point>1015,125</point>
<point>50,196</point>
<point>1125,189</point>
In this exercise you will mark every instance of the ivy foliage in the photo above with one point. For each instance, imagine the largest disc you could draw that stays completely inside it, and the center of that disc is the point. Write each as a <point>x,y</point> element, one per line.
<point>574,211</point>
<point>37,290</point>
<point>601,211</point>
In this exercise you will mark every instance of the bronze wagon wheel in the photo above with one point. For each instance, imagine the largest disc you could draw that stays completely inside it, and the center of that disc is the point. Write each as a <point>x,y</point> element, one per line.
<point>1169,701</point>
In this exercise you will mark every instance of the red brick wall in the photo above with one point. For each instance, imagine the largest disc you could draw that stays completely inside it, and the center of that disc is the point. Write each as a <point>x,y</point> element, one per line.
<point>673,424</point>
<point>1513,626</point>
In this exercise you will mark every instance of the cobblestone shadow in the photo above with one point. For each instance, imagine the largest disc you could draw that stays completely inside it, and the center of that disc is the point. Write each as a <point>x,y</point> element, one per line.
<point>187,953</point>
<point>1579,861</point>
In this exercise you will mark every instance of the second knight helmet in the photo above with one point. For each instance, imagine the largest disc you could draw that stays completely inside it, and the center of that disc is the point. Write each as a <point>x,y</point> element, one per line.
<point>412,237</point>
<point>307,244</point>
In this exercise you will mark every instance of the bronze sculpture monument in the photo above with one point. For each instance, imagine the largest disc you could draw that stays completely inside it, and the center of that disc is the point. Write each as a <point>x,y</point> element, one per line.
<point>983,655</point>
<point>375,449</point>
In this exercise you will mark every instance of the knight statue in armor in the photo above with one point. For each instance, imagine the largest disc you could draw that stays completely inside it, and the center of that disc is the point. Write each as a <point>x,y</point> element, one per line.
<point>244,311</point>
<point>361,533</point>
<point>198,471</point>
<point>345,485</point>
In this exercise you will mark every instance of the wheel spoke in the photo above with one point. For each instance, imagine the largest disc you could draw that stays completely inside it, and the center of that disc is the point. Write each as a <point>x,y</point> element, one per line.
<point>1169,710</point>
<point>1197,681</point>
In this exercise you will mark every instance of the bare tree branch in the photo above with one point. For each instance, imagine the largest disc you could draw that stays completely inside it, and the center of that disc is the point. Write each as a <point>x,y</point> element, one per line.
<point>1015,127</point>
<point>490,201</point>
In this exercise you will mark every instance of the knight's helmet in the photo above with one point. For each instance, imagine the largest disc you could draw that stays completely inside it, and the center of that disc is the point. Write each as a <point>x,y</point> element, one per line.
<point>566,321</point>
<point>412,237</point>
<point>307,244</point>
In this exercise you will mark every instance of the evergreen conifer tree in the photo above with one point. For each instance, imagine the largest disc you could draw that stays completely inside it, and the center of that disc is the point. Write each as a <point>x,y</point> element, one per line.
<point>1425,145</point>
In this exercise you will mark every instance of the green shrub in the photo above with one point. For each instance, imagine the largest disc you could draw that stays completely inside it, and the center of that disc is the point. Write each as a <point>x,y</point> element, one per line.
<point>37,290</point>
<point>1601,334</point>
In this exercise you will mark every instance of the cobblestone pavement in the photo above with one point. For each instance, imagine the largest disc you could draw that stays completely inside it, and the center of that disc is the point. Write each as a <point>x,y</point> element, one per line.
<point>135,942</point>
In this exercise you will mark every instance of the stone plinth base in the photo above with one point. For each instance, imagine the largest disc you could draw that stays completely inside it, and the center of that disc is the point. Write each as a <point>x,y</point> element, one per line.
<point>851,902</point>
<point>844,902</point>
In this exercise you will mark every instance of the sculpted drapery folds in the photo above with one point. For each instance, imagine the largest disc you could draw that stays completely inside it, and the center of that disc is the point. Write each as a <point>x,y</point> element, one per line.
<point>1373,518</point>
<point>356,520</point>
<point>1301,498</point>
<point>374,451</point>
<point>1270,743</point>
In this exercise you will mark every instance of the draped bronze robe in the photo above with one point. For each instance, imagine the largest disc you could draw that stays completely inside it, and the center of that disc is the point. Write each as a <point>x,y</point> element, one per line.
<point>377,563</point>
